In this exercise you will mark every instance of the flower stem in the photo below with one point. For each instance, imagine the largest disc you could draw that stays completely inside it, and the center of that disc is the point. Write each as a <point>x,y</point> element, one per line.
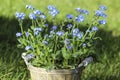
<point>21,27</point>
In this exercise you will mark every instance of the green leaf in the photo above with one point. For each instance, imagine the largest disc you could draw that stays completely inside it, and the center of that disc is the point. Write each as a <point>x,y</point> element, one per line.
<point>65,54</point>
<point>20,46</point>
<point>32,27</point>
<point>76,54</point>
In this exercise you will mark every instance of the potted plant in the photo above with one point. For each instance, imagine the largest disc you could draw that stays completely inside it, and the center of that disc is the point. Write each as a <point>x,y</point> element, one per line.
<point>55,51</point>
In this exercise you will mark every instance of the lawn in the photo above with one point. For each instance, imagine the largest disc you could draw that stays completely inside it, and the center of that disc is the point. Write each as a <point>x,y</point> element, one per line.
<point>106,65</point>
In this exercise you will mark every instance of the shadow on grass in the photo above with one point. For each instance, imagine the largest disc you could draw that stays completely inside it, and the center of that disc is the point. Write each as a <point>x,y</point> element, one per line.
<point>106,64</point>
<point>9,27</point>
<point>11,64</point>
<point>107,49</point>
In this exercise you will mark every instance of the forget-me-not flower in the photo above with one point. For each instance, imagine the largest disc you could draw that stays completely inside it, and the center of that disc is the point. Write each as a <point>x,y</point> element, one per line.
<point>18,34</point>
<point>69,16</point>
<point>80,35</point>
<point>67,41</point>
<point>102,21</point>
<point>32,16</point>
<point>69,47</point>
<point>37,12</point>
<point>52,10</point>
<point>20,16</point>
<point>42,16</point>
<point>84,44</point>
<point>46,25</point>
<point>94,28</point>
<point>30,7</point>
<point>60,33</point>
<point>88,31</point>
<point>52,32</point>
<point>50,7</point>
<point>27,34</point>
<point>28,47</point>
<point>78,9</point>
<point>100,13</point>
<point>54,27</point>
<point>30,56</point>
<point>45,42</point>
<point>82,11</point>
<point>37,31</point>
<point>75,32</point>
<point>80,18</point>
<point>102,7</point>
<point>69,26</point>
<point>85,11</point>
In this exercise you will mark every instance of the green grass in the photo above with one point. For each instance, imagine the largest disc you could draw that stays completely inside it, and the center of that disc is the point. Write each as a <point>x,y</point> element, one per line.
<point>11,64</point>
<point>106,65</point>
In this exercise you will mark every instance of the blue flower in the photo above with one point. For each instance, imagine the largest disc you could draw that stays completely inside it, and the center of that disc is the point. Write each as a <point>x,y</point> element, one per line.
<point>32,16</point>
<point>18,34</point>
<point>29,7</point>
<point>30,56</point>
<point>102,22</point>
<point>20,16</point>
<point>60,33</point>
<point>78,9</point>
<point>37,12</point>
<point>104,15</point>
<point>69,47</point>
<point>46,25</point>
<point>69,16</point>
<point>67,41</point>
<point>100,13</point>
<point>69,26</point>
<point>88,31</point>
<point>102,7</point>
<point>46,36</point>
<point>42,16</point>
<point>80,35</point>
<point>54,27</point>
<point>45,42</point>
<point>52,32</point>
<point>28,47</point>
<point>94,28</point>
<point>84,45</point>
<point>37,31</point>
<point>50,7</point>
<point>85,11</point>
<point>82,11</point>
<point>75,31</point>
<point>80,18</point>
<point>27,34</point>
<point>54,12</point>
